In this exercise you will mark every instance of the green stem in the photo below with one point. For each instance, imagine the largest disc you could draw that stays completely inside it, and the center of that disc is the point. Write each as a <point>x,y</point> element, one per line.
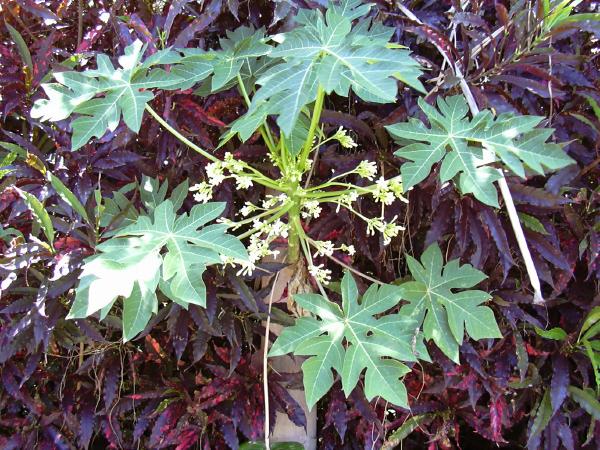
<point>264,131</point>
<point>268,212</point>
<point>334,183</point>
<point>273,218</point>
<point>294,237</point>
<point>180,136</point>
<point>260,178</point>
<point>314,123</point>
<point>324,196</point>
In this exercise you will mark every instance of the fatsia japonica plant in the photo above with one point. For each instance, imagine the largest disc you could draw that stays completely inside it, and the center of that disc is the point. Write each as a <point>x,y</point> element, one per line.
<point>284,80</point>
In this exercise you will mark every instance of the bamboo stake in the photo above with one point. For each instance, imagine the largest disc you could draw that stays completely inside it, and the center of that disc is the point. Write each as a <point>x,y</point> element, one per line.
<point>538,299</point>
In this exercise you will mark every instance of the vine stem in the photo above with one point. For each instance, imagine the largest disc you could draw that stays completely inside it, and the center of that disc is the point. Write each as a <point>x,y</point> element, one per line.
<point>180,136</point>
<point>509,204</point>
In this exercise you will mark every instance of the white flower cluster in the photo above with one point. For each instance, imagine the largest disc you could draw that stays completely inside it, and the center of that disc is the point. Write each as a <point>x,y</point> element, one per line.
<point>326,248</point>
<point>203,192</point>
<point>264,232</point>
<point>386,191</point>
<point>387,229</point>
<point>232,164</point>
<point>268,203</point>
<point>272,200</point>
<point>260,242</point>
<point>246,267</point>
<point>366,169</point>
<point>216,173</point>
<point>346,200</point>
<point>341,135</point>
<point>311,209</point>
<point>320,274</point>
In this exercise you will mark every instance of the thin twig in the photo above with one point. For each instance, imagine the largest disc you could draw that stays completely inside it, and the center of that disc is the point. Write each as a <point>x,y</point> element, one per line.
<point>79,22</point>
<point>477,49</point>
<point>538,299</point>
<point>266,367</point>
<point>352,269</point>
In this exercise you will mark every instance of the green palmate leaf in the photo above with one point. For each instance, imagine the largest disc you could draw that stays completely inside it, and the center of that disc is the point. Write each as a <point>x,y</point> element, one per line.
<point>166,251</point>
<point>153,193</point>
<point>242,46</point>
<point>466,147</point>
<point>327,50</point>
<point>446,314</point>
<point>241,54</point>
<point>103,95</point>
<point>351,339</point>
<point>117,211</point>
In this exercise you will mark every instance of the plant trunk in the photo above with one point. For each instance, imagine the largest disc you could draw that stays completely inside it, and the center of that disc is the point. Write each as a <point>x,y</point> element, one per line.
<point>284,430</point>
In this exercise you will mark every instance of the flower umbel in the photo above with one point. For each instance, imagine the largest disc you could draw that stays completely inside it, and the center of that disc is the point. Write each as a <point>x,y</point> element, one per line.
<point>215,173</point>
<point>342,137</point>
<point>367,169</point>
<point>311,209</point>
<point>320,274</point>
<point>324,248</point>
<point>203,192</point>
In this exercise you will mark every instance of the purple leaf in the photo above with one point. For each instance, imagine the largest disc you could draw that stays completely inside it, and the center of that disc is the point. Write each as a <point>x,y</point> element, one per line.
<point>536,197</point>
<point>199,345</point>
<point>548,251</point>
<point>562,178</point>
<point>490,220</point>
<point>442,216</point>
<point>86,424</point>
<point>292,408</point>
<point>111,383</point>
<point>461,225</point>
<point>230,435</point>
<point>560,381</point>
<point>30,367</point>
<point>198,25</point>
<point>564,432</point>
<point>143,420</point>
<point>337,412</point>
<point>179,333</point>
<point>174,9</point>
